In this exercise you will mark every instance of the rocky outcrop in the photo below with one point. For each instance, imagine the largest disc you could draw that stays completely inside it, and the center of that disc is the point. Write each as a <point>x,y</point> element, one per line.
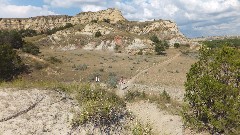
<point>92,28</point>
<point>164,29</point>
<point>112,15</point>
<point>40,23</point>
<point>43,23</point>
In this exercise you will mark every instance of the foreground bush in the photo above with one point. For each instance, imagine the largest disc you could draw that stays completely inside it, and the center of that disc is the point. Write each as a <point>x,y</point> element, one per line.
<point>101,108</point>
<point>213,91</point>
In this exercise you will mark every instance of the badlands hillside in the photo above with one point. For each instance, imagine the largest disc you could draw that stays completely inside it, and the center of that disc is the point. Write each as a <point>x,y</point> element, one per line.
<point>116,31</point>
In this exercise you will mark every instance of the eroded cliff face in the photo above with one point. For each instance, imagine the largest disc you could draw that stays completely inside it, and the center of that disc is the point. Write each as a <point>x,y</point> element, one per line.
<point>117,34</point>
<point>111,14</point>
<point>42,23</point>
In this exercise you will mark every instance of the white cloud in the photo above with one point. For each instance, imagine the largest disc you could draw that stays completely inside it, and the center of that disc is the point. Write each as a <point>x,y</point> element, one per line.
<point>14,11</point>
<point>76,3</point>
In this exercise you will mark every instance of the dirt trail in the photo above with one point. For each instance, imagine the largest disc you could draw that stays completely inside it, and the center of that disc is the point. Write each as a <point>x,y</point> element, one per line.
<point>131,81</point>
<point>161,122</point>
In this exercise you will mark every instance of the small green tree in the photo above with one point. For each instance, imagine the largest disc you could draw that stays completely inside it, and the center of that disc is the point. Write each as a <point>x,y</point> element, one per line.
<point>176,45</point>
<point>10,63</point>
<point>98,34</point>
<point>213,91</point>
<point>160,46</point>
<point>155,39</point>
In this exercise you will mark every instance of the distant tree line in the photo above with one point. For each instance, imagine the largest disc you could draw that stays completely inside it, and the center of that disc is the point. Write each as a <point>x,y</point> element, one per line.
<point>235,42</point>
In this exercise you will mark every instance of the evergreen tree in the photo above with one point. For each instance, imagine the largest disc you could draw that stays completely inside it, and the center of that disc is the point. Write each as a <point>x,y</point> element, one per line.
<point>213,91</point>
<point>10,63</point>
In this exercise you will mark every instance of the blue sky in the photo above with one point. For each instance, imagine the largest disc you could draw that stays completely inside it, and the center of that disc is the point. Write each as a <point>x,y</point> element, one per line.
<point>195,18</point>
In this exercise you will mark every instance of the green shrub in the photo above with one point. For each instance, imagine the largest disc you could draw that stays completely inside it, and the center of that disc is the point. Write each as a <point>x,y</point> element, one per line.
<point>28,32</point>
<point>30,48</point>
<point>160,46</point>
<point>100,107</point>
<point>140,52</point>
<point>12,38</point>
<point>112,80</point>
<point>81,67</point>
<point>98,34</point>
<point>94,21</point>
<point>10,63</point>
<point>54,60</point>
<point>134,95</point>
<point>176,45</point>
<point>212,91</point>
<point>165,96</point>
<point>106,20</point>
<point>155,39</point>
<point>39,65</point>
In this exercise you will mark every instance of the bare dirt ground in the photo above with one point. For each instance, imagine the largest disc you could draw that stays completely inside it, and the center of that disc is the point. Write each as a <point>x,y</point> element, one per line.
<point>35,111</point>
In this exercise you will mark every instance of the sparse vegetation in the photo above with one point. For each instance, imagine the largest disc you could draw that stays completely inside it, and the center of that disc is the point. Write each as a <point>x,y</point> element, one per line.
<point>212,91</point>
<point>39,65</point>
<point>54,30</point>
<point>160,99</point>
<point>135,95</point>
<point>81,67</point>
<point>141,129</point>
<point>54,60</point>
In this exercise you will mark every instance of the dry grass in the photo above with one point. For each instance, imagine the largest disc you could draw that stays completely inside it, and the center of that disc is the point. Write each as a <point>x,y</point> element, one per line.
<point>102,63</point>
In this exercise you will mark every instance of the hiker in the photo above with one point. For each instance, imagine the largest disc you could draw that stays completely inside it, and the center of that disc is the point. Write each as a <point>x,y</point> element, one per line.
<point>97,79</point>
<point>122,83</point>
<point>121,80</point>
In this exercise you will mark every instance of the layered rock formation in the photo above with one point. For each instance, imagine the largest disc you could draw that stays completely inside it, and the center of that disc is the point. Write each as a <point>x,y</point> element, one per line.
<point>42,23</point>
<point>112,15</point>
